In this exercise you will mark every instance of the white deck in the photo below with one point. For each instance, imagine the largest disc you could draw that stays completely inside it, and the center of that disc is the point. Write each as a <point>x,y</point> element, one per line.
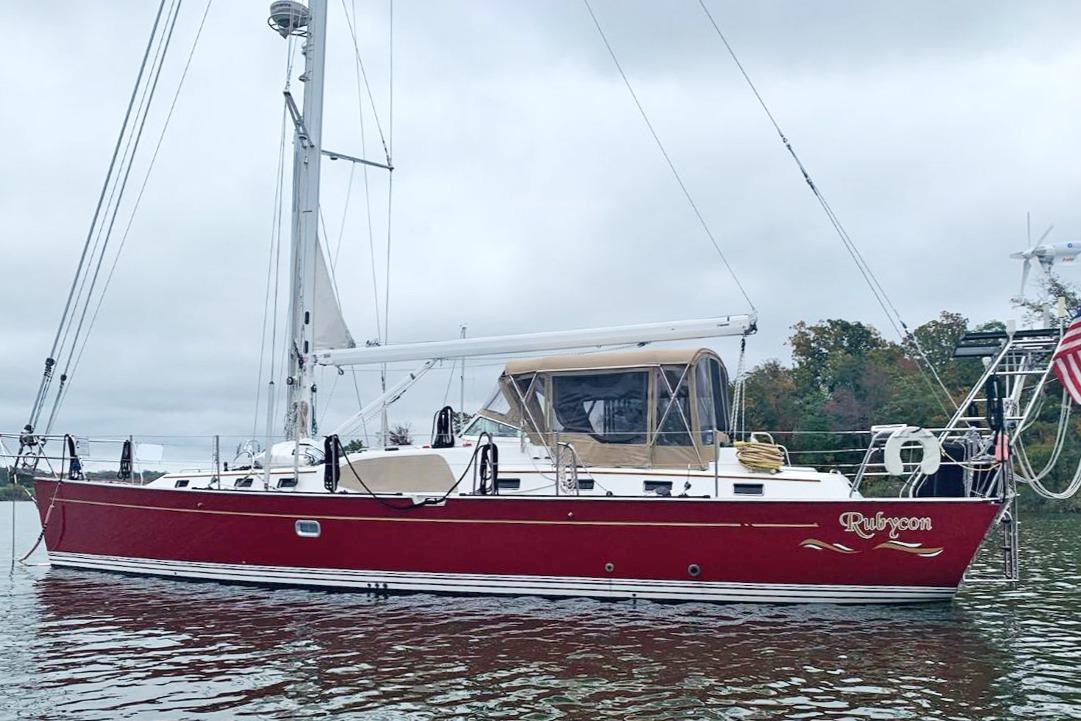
<point>525,469</point>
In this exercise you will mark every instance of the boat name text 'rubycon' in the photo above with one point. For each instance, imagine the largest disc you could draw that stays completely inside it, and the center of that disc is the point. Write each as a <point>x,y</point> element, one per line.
<point>867,526</point>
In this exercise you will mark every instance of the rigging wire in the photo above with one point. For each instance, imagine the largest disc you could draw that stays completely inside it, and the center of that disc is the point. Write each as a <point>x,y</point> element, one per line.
<point>337,299</point>
<point>737,414</point>
<point>270,312</point>
<point>142,191</point>
<point>133,143</point>
<point>345,216</point>
<point>360,403</point>
<point>125,158</point>
<point>330,267</point>
<point>450,380</point>
<point>877,290</point>
<point>105,232</point>
<point>360,63</point>
<point>46,379</point>
<point>390,176</point>
<point>668,159</point>
<point>363,88</point>
<point>358,68</point>
<point>386,278</point>
<point>330,397</point>
<point>384,427</point>
<point>270,309</point>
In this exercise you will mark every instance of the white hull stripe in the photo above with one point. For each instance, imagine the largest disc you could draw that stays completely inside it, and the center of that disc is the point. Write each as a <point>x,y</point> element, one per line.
<point>465,583</point>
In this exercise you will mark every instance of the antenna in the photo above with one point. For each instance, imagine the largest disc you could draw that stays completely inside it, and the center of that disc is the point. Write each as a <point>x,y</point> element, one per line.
<point>287,17</point>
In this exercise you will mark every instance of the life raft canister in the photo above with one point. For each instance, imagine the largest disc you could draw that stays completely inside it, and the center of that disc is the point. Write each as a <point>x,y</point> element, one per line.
<point>932,451</point>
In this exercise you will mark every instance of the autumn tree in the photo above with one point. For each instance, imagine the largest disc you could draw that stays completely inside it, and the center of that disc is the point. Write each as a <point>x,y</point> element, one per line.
<point>400,434</point>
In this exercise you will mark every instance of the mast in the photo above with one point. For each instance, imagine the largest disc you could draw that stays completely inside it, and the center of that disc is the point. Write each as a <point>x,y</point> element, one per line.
<point>307,144</point>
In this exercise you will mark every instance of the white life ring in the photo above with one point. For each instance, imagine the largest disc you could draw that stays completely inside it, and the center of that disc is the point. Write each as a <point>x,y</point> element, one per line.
<point>932,451</point>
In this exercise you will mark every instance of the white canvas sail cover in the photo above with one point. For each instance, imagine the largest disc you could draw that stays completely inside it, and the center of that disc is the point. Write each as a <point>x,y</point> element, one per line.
<point>330,329</point>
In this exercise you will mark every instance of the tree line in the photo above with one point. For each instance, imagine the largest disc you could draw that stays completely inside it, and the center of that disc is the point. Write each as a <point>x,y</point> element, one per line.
<point>845,376</point>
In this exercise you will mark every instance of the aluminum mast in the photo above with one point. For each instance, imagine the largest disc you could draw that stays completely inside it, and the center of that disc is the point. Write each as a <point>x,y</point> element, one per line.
<point>290,17</point>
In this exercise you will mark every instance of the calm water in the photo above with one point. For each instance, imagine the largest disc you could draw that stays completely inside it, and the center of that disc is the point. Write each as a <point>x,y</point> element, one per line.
<point>79,645</point>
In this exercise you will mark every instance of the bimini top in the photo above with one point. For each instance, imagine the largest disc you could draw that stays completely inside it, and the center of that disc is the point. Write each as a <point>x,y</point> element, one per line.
<point>611,359</point>
<point>640,408</point>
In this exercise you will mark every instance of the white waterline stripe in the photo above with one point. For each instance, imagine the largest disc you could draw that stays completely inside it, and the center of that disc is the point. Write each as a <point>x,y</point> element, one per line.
<point>384,581</point>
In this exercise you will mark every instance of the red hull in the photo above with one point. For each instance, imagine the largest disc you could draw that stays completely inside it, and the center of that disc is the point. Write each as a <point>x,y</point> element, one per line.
<point>883,550</point>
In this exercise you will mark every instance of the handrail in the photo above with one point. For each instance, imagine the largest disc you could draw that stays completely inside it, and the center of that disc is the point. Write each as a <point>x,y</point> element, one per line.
<point>561,481</point>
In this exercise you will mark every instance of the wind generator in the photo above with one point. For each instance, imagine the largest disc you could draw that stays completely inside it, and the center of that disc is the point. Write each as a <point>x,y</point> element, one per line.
<point>1047,254</point>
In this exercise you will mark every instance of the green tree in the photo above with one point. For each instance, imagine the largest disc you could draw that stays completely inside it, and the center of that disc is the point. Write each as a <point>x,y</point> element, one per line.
<point>354,446</point>
<point>1045,300</point>
<point>832,353</point>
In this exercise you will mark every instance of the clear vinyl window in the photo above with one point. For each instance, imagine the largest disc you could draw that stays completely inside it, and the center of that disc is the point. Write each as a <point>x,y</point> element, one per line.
<point>673,416</point>
<point>610,407</point>
<point>719,381</point>
<point>481,424</point>
<point>703,398</point>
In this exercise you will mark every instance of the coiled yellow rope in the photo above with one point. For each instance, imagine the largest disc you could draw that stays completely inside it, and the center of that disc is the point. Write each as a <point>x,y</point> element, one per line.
<point>760,456</point>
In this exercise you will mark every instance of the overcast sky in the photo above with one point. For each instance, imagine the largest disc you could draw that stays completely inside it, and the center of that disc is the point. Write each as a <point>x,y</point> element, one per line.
<point>528,194</point>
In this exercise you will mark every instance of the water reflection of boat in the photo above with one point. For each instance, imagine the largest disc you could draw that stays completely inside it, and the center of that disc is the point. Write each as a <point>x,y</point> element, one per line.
<point>346,652</point>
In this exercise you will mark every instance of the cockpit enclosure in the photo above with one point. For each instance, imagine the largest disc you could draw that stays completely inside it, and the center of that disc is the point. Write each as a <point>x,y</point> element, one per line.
<point>649,408</point>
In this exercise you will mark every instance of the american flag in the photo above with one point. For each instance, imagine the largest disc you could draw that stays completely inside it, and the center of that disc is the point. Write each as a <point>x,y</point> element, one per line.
<point>1067,358</point>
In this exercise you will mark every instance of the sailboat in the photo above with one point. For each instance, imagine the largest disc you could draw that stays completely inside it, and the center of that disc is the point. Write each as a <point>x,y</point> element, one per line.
<point>619,474</point>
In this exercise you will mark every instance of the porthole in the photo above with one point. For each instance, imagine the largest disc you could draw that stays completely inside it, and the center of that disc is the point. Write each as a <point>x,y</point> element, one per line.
<point>694,570</point>
<point>308,529</point>
<point>609,567</point>
<point>183,483</point>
